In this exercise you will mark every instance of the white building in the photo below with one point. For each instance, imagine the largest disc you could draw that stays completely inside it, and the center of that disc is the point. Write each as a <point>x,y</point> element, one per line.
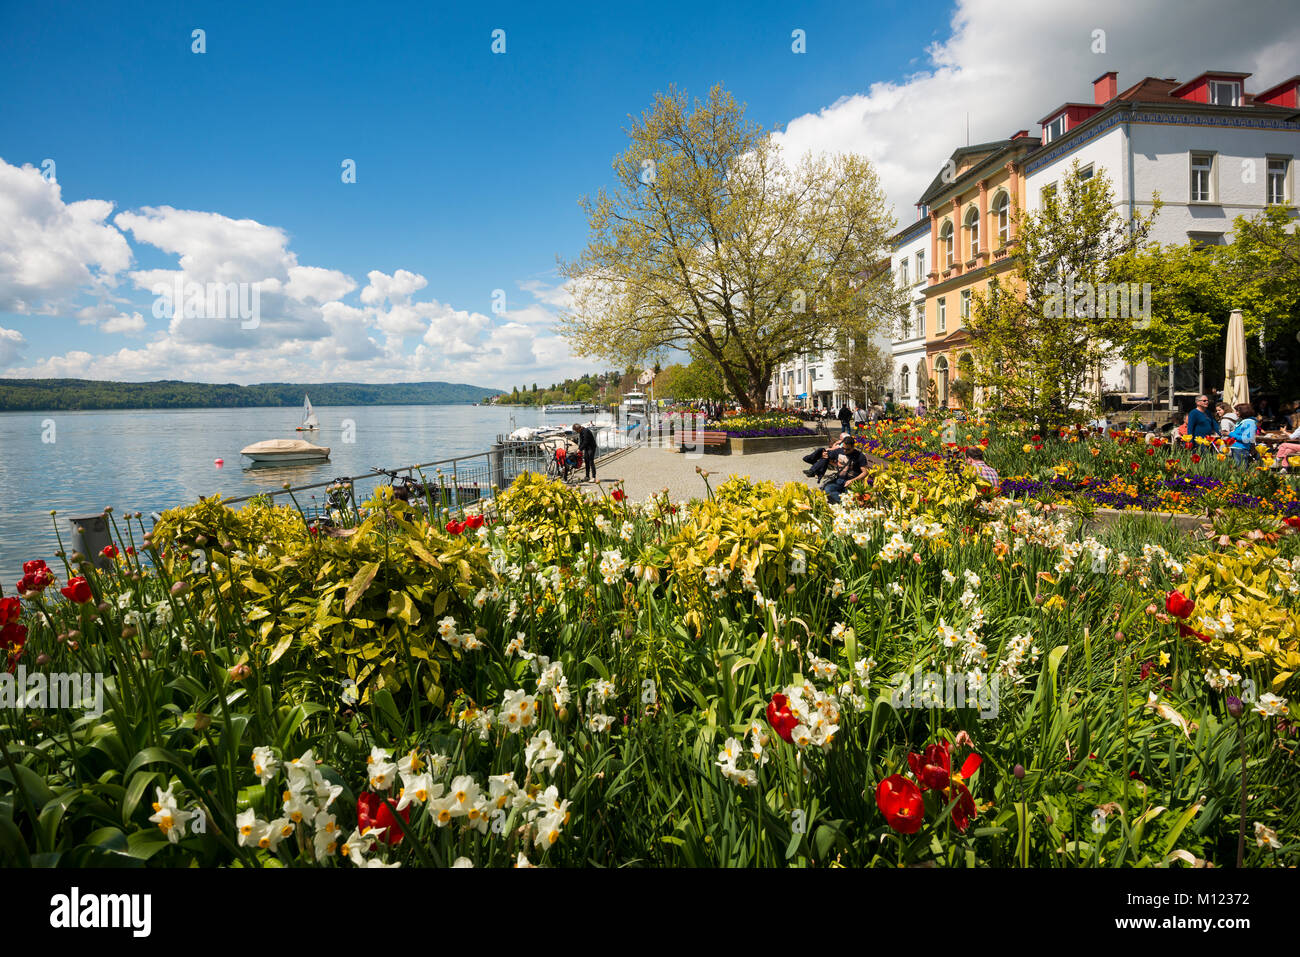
<point>1211,150</point>
<point>909,266</point>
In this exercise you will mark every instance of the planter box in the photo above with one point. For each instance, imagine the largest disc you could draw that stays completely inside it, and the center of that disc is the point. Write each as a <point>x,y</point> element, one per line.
<point>776,443</point>
<point>1181,520</point>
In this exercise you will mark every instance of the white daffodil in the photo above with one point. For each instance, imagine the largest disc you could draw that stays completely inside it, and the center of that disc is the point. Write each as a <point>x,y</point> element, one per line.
<point>169,817</point>
<point>1270,705</point>
<point>418,788</point>
<point>265,764</point>
<point>1266,836</point>
<point>326,839</point>
<point>251,830</point>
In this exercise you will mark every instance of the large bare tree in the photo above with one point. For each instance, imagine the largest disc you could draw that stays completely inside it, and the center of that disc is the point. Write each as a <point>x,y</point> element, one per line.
<point>711,242</point>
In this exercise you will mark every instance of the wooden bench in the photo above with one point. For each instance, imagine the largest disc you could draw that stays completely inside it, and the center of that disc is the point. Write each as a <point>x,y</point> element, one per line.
<point>700,439</point>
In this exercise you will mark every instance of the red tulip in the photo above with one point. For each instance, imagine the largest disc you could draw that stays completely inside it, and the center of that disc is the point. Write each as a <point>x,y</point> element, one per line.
<point>964,809</point>
<point>77,590</point>
<point>900,802</point>
<point>618,495</point>
<point>373,811</point>
<point>984,442</point>
<point>1179,605</point>
<point>474,522</point>
<point>1195,457</point>
<point>455,528</point>
<point>1294,521</point>
<point>36,578</point>
<point>109,551</point>
<point>932,767</point>
<point>10,610</point>
<point>1192,633</point>
<point>783,722</point>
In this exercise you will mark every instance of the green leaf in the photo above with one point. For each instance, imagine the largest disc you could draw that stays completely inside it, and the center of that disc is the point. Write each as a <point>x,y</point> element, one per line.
<point>360,582</point>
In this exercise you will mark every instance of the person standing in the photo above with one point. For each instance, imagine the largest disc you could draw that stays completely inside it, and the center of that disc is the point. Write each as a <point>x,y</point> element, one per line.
<point>860,417</point>
<point>1200,423</point>
<point>587,446</point>
<point>846,418</point>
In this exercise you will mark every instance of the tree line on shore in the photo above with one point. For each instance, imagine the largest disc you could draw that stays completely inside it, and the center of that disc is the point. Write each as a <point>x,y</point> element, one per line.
<point>38,395</point>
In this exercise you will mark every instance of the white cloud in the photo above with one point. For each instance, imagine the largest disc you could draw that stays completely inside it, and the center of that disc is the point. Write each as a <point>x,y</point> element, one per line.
<point>397,288</point>
<point>51,251</point>
<point>132,324</point>
<point>11,346</point>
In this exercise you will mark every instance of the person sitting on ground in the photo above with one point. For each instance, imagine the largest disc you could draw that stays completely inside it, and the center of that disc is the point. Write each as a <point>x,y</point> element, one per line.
<point>851,466</point>
<point>975,459</point>
<point>820,459</point>
<point>1200,423</point>
<point>1243,435</point>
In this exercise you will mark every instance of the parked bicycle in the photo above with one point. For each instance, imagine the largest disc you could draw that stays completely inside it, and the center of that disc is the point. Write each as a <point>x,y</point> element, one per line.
<point>407,489</point>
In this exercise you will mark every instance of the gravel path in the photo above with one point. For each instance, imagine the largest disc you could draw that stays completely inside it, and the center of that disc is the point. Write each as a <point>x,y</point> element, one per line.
<point>644,471</point>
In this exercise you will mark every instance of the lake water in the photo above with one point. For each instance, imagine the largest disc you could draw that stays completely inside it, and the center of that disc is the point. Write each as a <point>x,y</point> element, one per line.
<point>150,460</point>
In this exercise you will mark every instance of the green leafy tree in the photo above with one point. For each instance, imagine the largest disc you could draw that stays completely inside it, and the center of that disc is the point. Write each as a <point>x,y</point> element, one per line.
<point>1043,334</point>
<point>711,242</point>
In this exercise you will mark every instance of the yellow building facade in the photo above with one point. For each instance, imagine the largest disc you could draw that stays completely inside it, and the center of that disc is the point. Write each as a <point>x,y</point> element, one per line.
<point>972,207</point>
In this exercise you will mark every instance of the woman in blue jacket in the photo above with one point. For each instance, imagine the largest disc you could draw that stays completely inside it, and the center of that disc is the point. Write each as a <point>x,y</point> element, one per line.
<point>1243,435</point>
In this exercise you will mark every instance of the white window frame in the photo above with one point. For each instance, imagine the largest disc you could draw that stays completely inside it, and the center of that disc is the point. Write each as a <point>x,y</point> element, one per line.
<point>946,239</point>
<point>904,381</point>
<point>1054,129</point>
<point>902,273</point>
<point>1211,193</point>
<point>965,305</point>
<point>973,231</point>
<point>1285,198</point>
<point>1216,86</point>
<point>920,266</point>
<point>1002,210</point>
<point>943,314</point>
<point>918,325</point>
<point>1087,172</point>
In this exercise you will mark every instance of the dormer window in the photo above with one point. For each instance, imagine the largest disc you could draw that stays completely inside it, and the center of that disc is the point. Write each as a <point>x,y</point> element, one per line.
<point>1055,129</point>
<point>1225,92</point>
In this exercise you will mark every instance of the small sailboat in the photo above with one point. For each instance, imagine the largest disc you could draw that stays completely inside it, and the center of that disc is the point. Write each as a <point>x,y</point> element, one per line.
<point>309,421</point>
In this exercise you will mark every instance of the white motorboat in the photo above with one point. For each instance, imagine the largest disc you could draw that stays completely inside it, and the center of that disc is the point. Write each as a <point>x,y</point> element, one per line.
<point>285,451</point>
<point>560,408</point>
<point>531,433</point>
<point>309,421</point>
<point>634,404</point>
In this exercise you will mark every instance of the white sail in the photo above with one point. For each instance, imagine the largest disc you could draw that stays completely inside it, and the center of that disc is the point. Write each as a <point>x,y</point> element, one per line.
<point>309,420</point>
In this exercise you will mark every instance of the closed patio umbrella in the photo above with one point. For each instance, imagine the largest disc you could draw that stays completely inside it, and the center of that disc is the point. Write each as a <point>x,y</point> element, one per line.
<point>1236,386</point>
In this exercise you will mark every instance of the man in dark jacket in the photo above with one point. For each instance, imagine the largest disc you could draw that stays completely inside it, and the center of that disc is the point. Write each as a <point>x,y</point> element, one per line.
<point>587,446</point>
<point>1199,421</point>
<point>846,418</point>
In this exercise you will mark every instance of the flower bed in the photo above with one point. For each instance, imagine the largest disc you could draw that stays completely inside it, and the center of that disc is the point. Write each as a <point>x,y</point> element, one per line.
<point>924,675</point>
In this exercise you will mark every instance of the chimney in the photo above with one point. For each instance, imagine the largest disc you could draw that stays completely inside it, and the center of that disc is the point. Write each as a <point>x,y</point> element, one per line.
<point>1019,134</point>
<point>1105,87</point>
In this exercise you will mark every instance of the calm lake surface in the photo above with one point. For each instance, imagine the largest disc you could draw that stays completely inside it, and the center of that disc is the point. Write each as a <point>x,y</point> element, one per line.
<point>150,460</point>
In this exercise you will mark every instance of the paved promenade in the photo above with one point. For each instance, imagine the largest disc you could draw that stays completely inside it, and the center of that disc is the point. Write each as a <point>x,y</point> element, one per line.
<point>645,471</point>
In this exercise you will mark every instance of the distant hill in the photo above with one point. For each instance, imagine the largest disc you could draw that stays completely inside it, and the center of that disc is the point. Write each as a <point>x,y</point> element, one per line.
<point>55,395</point>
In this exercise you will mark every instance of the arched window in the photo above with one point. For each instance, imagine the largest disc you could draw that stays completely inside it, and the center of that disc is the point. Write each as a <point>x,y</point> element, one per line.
<point>941,381</point>
<point>1002,216</point>
<point>903,383</point>
<point>945,237</point>
<point>973,231</point>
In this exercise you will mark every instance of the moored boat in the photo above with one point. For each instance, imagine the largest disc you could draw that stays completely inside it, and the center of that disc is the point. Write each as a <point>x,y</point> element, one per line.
<point>285,450</point>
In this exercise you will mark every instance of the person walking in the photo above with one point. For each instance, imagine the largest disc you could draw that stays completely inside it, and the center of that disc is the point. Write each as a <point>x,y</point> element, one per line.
<point>846,418</point>
<point>1200,423</point>
<point>587,446</point>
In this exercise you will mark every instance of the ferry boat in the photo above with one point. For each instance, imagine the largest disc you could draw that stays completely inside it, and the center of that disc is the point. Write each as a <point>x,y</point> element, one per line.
<point>565,408</point>
<point>634,405</point>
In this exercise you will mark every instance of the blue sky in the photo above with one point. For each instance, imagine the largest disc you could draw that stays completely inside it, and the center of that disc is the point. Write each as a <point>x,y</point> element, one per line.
<point>469,164</point>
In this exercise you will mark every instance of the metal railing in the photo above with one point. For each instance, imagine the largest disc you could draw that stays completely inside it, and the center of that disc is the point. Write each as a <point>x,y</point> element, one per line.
<point>453,483</point>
